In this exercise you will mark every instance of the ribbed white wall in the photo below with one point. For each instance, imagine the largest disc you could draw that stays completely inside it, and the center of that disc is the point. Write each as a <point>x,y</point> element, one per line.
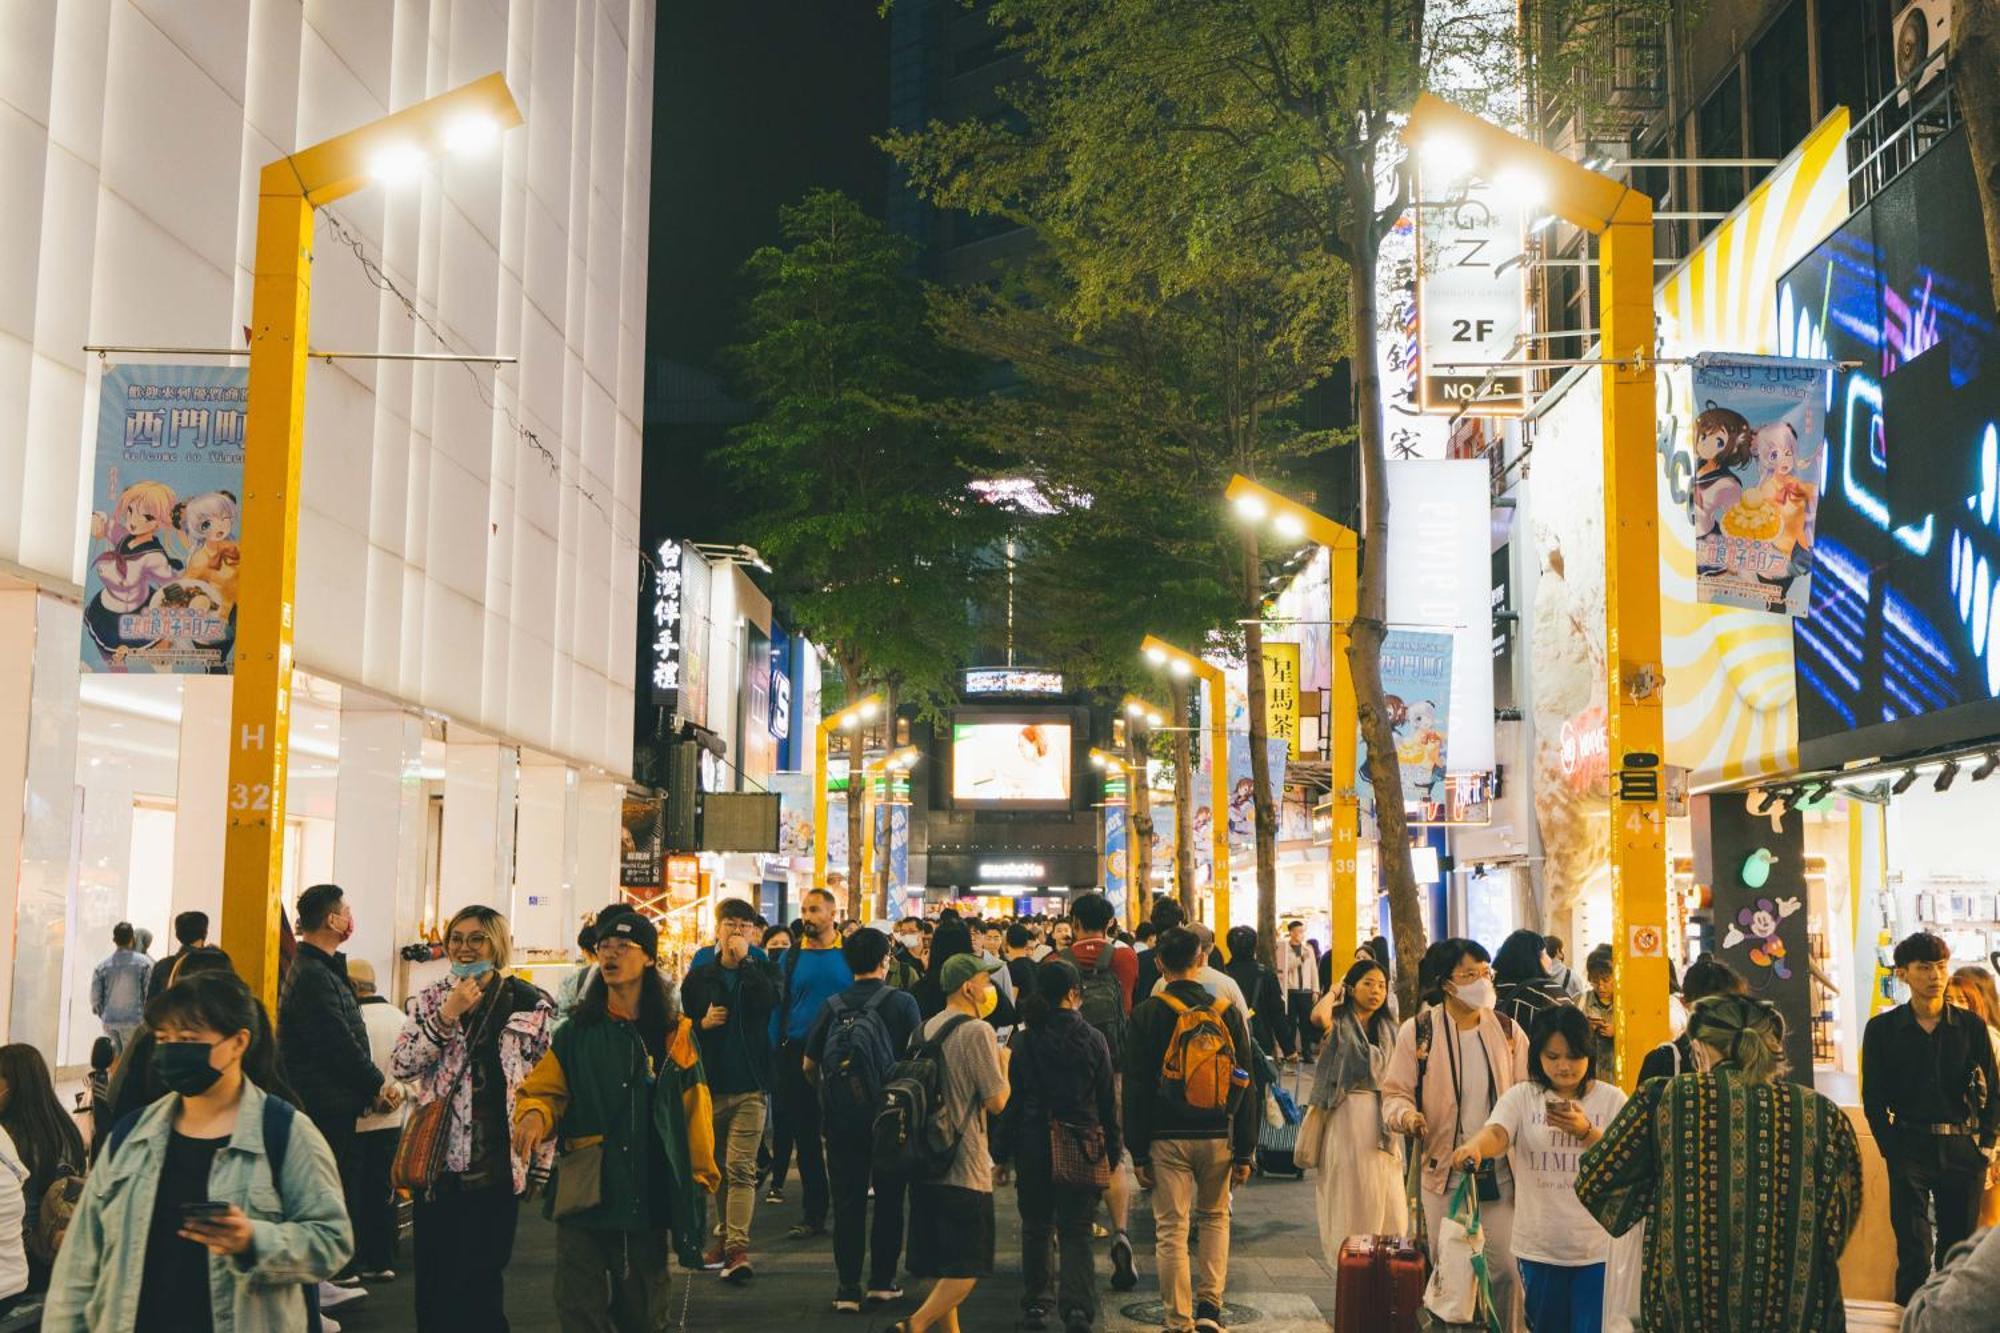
<point>442,560</point>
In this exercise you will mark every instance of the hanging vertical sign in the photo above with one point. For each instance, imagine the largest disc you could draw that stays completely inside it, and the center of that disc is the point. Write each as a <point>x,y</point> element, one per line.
<point>159,593</point>
<point>1416,684</point>
<point>1759,437</point>
<point>1472,300</point>
<point>667,618</point>
<point>1281,695</point>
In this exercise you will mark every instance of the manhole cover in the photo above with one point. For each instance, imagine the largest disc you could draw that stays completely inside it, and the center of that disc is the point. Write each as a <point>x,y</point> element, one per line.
<point>1155,1313</point>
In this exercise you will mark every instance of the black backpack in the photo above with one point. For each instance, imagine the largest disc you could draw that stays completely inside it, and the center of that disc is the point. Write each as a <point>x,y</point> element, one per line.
<point>909,1140</point>
<point>1103,999</point>
<point>856,1061</point>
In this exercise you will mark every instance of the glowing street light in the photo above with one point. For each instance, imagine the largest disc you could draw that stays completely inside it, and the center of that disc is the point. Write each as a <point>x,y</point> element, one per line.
<point>845,719</point>
<point>289,191</point>
<point>1622,220</point>
<point>1343,578</point>
<point>1182,665</point>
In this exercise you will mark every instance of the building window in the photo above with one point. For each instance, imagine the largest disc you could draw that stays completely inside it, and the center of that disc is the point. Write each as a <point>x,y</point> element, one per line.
<point>1780,86</point>
<point>1667,188</point>
<point>1718,132</point>
<point>1854,56</point>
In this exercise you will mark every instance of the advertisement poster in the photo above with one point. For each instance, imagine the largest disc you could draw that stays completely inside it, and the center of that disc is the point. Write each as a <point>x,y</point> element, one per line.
<point>1416,677</point>
<point>1281,695</point>
<point>795,813</point>
<point>1116,842</point>
<point>692,701</point>
<point>836,838</point>
<point>892,830</point>
<point>160,578</point>
<point>641,847</point>
<point>1242,802</point>
<point>1759,450</point>
<point>1005,762</point>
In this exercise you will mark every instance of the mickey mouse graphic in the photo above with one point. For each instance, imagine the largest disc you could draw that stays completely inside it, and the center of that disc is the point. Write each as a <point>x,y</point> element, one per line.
<point>1760,923</point>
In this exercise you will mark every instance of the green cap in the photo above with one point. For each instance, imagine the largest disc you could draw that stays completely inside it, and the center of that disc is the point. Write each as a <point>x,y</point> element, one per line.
<point>963,967</point>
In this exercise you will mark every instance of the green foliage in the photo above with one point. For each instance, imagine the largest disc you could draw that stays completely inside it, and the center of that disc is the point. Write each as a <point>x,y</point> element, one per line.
<point>859,481</point>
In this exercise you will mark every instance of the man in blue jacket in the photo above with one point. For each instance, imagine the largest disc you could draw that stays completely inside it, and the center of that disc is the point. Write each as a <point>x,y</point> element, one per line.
<point>729,995</point>
<point>811,973</point>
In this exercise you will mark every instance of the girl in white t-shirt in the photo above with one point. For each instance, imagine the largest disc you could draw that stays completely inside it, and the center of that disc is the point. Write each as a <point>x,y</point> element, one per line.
<point>1542,1127</point>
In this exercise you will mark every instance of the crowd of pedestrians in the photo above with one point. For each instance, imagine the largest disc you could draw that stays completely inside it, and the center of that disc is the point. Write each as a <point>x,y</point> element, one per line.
<point>245,1175</point>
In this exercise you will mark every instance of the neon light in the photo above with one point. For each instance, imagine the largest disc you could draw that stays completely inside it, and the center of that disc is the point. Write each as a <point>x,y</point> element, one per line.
<point>1865,390</point>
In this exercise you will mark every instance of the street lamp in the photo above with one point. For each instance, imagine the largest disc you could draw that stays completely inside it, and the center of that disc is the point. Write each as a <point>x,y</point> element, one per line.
<point>1293,520</point>
<point>1622,220</point>
<point>846,719</point>
<point>1182,665</point>
<point>394,147</point>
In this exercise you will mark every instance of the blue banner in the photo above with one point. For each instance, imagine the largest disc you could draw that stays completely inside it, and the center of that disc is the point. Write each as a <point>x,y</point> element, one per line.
<point>1116,847</point>
<point>1416,680</point>
<point>160,579</point>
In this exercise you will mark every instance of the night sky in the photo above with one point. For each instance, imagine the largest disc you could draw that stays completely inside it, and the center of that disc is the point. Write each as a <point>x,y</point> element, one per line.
<point>755,102</point>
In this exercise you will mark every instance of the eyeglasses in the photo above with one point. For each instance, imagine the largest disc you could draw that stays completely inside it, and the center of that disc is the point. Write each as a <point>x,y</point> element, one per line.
<point>614,945</point>
<point>457,941</point>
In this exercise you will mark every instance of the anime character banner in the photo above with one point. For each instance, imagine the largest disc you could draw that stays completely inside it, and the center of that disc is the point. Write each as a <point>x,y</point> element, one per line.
<point>1242,787</point>
<point>1416,678</point>
<point>161,570</point>
<point>1759,456</point>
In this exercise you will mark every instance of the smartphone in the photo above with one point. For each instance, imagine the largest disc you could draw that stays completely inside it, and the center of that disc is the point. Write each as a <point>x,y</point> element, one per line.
<point>1554,1105</point>
<point>203,1210</point>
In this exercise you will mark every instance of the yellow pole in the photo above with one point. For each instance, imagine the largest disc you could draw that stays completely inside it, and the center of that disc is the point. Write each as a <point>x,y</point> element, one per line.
<point>1636,716</point>
<point>1218,792</point>
<point>1622,219</point>
<point>261,694</point>
<point>1343,851</point>
<point>819,804</point>
<point>253,849</point>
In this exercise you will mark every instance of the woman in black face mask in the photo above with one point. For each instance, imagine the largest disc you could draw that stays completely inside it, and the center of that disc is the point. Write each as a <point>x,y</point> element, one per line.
<point>210,1208</point>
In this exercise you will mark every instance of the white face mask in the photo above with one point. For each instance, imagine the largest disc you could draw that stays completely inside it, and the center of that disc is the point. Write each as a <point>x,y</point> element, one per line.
<point>1476,994</point>
<point>909,942</point>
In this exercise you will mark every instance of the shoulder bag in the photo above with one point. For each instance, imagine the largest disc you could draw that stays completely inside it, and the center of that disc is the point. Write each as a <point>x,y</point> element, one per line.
<point>420,1150</point>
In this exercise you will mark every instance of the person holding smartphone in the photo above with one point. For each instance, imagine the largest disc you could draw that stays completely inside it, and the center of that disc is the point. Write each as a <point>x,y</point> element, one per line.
<point>213,1207</point>
<point>1542,1128</point>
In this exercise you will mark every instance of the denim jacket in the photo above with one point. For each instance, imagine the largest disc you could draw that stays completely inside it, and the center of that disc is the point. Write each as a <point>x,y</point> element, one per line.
<point>118,987</point>
<point>301,1229</point>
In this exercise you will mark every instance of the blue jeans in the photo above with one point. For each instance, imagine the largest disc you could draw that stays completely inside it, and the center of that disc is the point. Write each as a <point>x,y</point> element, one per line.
<point>1563,1300</point>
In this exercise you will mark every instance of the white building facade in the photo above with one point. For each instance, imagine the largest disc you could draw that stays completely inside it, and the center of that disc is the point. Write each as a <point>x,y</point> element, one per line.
<point>468,568</point>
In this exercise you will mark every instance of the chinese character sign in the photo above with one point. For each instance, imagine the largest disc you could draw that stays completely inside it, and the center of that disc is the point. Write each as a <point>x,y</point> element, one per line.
<point>1281,695</point>
<point>160,582</point>
<point>668,615</point>
<point>1759,437</point>
<point>1416,680</point>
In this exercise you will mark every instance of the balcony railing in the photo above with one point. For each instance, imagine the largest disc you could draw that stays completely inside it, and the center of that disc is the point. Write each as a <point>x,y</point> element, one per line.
<point>1883,144</point>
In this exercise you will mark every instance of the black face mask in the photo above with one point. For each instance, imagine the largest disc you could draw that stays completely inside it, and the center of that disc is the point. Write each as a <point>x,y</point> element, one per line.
<point>183,1066</point>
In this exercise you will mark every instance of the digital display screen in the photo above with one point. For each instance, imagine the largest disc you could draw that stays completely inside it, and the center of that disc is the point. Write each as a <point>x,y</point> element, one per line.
<point>1903,629</point>
<point>1015,761</point>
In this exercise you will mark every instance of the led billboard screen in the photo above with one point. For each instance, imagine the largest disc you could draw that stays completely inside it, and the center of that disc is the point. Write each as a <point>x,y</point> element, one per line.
<point>1901,651</point>
<point>1021,761</point>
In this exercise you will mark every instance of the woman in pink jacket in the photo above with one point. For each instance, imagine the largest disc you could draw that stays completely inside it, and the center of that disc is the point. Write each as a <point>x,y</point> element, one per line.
<point>1450,1064</point>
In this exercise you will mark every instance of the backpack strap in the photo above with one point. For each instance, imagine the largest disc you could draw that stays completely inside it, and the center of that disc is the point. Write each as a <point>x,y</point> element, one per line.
<point>876,1000</point>
<point>120,1132</point>
<point>278,1117</point>
<point>951,1025</point>
<point>1424,1031</point>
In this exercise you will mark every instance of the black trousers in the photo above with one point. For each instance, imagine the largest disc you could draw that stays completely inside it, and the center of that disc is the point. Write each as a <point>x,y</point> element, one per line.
<point>1299,1007</point>
<point>1946,1171</point>
<point>851,1173</point>
<point>371,1203</point>
<point>464,1239</point>
<point>337,1128</point>
<point>1056,1260</point>
<point>799,1101</point>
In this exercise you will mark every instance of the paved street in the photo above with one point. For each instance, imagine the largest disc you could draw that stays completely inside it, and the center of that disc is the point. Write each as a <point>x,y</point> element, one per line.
<point>1275,1270</point>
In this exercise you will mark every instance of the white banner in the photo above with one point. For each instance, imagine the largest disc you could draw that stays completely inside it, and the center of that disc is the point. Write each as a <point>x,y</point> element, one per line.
<point>1472,298</point>
<point>1440,562</point>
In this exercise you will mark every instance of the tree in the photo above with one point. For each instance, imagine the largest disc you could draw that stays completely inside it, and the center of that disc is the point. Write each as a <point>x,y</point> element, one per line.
<point>1975,73</point>
<point>1262,133</point>
<point>860,492</point>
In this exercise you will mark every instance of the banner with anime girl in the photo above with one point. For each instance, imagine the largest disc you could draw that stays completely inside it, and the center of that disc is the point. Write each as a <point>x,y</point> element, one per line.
<point>1416,678</point>
<point>160,574</point>
<point>1759,437</point>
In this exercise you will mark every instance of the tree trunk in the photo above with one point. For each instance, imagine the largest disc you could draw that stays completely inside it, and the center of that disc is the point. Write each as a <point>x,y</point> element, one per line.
<point>857,804</point>
<point>1392,840</point>
<point>1139,803</point>
<point>1975,74</point>
<point>1260,767</point>
<point>1183,802</point>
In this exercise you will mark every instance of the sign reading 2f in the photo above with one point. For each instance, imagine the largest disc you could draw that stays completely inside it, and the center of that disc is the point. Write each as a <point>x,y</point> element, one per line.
<point>1472,291</point>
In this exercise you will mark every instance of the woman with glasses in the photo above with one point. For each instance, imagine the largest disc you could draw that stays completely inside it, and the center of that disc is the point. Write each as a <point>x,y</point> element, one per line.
<point>472,1037</point>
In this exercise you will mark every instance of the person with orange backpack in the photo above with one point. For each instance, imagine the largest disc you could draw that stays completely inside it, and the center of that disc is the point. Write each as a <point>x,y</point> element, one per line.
<point>1190,1126</point>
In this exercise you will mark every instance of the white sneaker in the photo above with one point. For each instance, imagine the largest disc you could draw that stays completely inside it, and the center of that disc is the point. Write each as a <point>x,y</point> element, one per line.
<point>331,1295</point>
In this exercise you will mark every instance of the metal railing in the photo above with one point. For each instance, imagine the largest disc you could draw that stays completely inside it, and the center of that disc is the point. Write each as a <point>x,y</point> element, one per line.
<point>1886,142</point>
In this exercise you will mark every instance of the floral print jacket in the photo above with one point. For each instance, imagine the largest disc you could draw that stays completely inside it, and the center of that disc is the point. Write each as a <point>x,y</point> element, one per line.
<point>436,1063</point>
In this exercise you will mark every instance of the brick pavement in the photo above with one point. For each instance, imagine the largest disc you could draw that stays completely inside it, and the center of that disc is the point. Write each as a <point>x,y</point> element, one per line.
<point>1275,1268</point>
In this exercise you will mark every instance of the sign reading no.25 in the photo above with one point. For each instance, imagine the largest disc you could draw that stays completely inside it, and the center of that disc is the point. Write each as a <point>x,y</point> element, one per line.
<point>1472,287</point>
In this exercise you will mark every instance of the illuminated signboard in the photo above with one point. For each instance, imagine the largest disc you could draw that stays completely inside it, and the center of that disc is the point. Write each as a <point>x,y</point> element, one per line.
<point>1007,680</point>
<point>1902,650</point>
<point>1010,762</point>
<point>1472,295</point>
<point>1007,872</point>
<point>667,631</point>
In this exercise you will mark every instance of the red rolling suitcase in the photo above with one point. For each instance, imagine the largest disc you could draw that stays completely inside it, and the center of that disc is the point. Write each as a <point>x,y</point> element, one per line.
<point>1380,1285</point>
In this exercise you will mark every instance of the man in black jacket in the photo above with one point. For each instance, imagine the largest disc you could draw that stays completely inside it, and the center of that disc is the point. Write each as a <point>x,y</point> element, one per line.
<point>1188,1157</point>
<point>321,1034</point>
<point>728,995</point>
<point>1928,1087</point>
<point>191,929</point>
